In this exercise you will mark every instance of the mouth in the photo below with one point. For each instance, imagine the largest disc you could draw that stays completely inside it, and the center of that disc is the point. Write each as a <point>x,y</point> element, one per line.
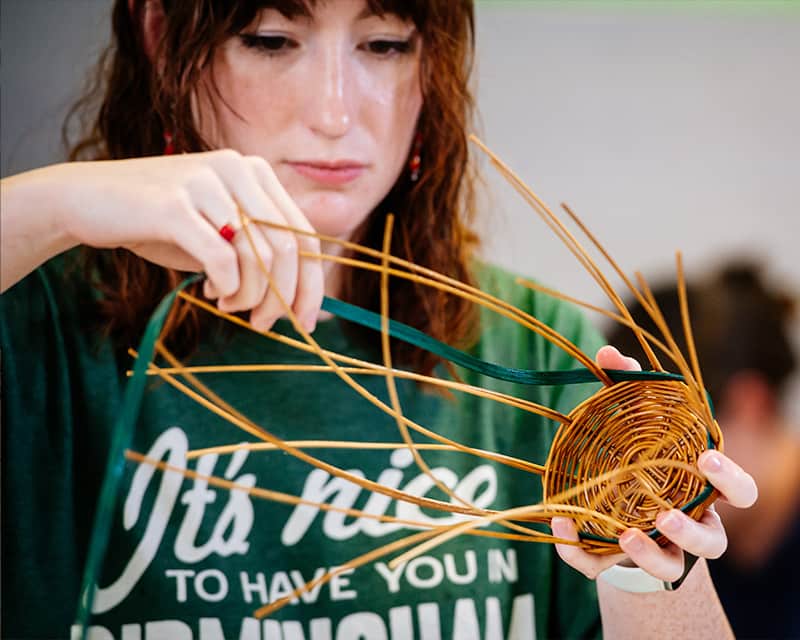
<point>332,173</point>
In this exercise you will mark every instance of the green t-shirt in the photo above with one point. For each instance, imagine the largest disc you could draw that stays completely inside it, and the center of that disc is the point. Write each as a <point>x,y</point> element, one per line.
<point>190,561</point>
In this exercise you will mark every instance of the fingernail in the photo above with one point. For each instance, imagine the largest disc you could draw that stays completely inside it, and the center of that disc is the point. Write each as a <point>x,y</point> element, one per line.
<point>557,524</point>
<point>309,322</point>
<point>633,363</point>
<point>631,541</point>
<point>712,463</point>
<point>669,522</point>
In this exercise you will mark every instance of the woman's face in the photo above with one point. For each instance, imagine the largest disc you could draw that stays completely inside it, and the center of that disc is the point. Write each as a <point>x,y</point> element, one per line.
<point>330,100</point>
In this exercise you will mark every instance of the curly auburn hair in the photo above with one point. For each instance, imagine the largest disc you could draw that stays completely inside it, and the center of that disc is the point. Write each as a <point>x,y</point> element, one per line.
<point>129,107</point>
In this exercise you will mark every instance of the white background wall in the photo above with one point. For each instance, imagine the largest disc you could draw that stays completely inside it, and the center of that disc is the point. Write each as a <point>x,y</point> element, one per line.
<point>666,125</point>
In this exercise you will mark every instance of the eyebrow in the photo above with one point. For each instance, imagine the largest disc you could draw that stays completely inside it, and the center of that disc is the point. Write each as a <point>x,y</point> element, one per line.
<point>367,12</point>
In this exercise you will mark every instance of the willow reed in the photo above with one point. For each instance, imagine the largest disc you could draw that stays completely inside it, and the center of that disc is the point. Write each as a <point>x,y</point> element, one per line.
<point>617,460</point>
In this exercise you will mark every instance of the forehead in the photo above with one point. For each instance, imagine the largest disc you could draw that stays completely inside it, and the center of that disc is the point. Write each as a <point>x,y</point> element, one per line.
<point>238,15</point>
<point>306,8</point>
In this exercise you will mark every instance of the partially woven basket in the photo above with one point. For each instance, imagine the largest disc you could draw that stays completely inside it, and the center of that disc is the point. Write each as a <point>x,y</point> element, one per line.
<point>620,426</point>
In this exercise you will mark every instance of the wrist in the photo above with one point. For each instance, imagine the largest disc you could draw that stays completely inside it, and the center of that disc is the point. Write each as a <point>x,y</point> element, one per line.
<point>61,190</point>
<point>43,200</point>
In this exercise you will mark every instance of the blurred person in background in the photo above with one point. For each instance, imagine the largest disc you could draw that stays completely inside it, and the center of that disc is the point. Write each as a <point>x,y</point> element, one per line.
<point>741,330</point>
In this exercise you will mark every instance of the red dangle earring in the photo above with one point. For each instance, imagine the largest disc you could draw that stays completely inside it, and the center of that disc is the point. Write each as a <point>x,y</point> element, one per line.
<point>415,162</point>
<point>169,145</point>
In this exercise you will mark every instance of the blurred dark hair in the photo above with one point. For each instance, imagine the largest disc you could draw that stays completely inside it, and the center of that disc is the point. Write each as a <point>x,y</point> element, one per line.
<point>738,324</point>
<point>130,106</point>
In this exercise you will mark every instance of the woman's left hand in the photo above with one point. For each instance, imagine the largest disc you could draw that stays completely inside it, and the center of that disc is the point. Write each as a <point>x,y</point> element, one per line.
<point>705,538</point>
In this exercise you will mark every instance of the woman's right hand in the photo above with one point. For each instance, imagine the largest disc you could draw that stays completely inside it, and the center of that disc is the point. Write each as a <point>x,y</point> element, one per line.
<point>169,210</point>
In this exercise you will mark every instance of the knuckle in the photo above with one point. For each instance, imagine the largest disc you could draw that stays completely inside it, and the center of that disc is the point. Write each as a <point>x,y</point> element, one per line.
<point>267,259</point>
<point>258,312</point>
<point>311,244</point>
<point>716,553</point>
<point>204,175</point>
<point>720,547</point>
<point>227,156</point>
<point>302,308</point>
<point>226,161</point>
<point>285,243</point>
<point>203,178</point>
<point>175,202</point>
<point>176,208</point>
<point>256,261</point>
<point>260,165</point>
<point>249,295</point>
<point>220,259</point>
<point>673,573</point>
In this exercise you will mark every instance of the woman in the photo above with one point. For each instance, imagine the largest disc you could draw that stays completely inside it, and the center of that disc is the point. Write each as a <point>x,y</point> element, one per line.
<point>327,116</point>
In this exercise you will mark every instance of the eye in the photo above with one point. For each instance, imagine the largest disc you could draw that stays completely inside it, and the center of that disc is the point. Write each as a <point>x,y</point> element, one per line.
<point>387,47</point>
<point>270,44</point>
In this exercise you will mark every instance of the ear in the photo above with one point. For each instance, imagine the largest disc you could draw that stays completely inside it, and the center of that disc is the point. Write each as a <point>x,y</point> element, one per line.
<point>153,22</point>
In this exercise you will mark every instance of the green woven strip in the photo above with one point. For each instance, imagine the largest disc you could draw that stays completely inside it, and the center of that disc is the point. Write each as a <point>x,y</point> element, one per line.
<point>422,340</point>
<point>123,435</point>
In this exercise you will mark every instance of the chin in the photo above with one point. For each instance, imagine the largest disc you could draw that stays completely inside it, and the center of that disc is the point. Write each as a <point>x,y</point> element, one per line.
<point>334,214</point>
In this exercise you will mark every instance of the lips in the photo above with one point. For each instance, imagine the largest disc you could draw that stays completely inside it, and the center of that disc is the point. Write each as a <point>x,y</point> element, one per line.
<point>334,173</point>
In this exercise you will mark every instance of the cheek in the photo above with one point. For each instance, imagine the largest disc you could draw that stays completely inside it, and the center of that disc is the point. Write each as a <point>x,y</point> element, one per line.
<point>393,109</point>
<point>241,102</point>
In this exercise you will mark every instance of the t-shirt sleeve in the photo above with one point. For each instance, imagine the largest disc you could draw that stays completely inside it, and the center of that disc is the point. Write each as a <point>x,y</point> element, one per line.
<point>55,383</point>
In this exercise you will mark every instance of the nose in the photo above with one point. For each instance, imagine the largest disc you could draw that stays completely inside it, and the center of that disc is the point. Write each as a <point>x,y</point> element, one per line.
<point>330,111</point>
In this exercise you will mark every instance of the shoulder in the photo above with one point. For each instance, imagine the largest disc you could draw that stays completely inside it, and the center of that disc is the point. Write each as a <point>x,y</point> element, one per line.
<point>49,333</point>
<point>52,299</point>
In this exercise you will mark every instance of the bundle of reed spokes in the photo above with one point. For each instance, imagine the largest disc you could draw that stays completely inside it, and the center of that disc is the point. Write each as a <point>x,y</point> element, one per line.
<point>617,460</point>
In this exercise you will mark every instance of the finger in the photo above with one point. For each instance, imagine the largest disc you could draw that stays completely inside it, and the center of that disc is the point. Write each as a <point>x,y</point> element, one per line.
<point>168,255</point>
<point>255,256</point>
<point>310,280</point>
<point>209,290</point>
<point>283,280</point>
<point>589,565</point>
<point>212,198</point>
<point>239,178</point>
<point>734,483</point>
<point>189,230</point>
<point>705,539</point>
<point>609,357</point>
<point>665,563</point>
<point>238,175</point>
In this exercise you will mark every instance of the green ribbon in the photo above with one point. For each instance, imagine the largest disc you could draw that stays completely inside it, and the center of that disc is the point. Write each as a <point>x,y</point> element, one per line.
<point>115,465</point>
<point>403,332</point>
